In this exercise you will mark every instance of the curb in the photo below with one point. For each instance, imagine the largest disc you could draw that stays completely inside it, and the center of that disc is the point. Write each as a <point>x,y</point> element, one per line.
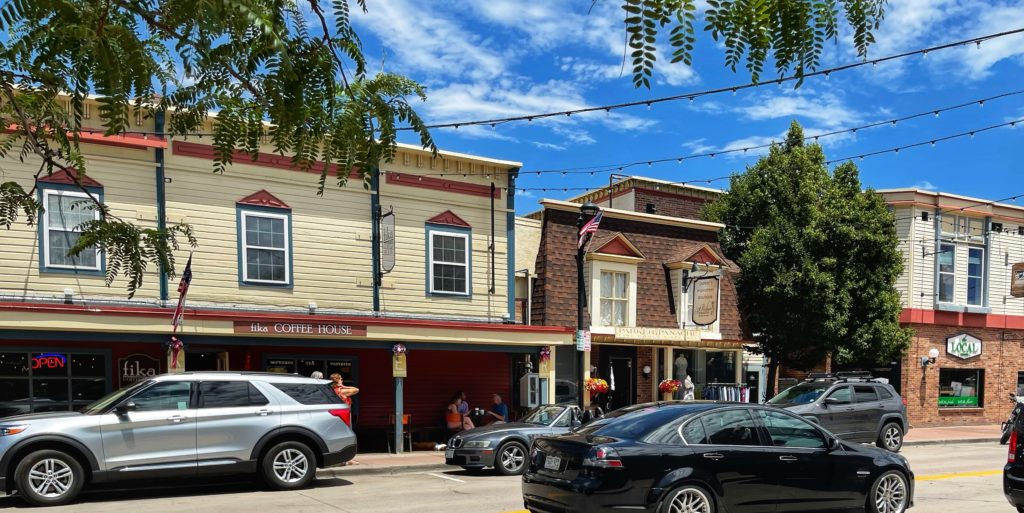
<point>359,470</point>
<point>951,442</point>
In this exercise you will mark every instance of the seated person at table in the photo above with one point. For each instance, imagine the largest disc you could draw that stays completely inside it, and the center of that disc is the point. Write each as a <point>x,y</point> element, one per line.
<point>454,419</point>
<point>498,410</point>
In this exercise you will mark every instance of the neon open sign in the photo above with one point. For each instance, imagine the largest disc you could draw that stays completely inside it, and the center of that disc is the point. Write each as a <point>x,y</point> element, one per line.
<point>49,361</point>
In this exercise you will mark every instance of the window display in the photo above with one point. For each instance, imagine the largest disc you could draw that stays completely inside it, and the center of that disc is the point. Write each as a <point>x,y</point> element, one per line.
<point>961,388</point>
<point>50,381</point>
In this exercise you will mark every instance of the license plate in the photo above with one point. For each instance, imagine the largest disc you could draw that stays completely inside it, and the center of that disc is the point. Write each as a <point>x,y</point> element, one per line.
<point>449,454</point>
<point>552,462</point>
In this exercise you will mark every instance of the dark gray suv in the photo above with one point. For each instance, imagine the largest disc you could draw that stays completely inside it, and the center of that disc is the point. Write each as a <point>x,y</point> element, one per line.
<point>855,408</point>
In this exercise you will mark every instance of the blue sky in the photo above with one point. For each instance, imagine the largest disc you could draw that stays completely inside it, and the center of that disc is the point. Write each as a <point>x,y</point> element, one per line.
<point>494,58</point>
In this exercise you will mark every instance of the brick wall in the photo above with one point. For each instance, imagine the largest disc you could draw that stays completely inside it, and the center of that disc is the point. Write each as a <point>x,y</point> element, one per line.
<point>554,292</point>
<point>1000,359</point>
<point>644,383</point>
<point>669,204</point>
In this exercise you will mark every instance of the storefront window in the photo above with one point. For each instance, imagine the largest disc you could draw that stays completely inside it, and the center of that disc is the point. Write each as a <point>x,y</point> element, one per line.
<point>961,388</point>
<point>1020,383</point>
<point>41,382</point>
<point>565,375</point>
<point>307,366</point>
<point>721,366</point>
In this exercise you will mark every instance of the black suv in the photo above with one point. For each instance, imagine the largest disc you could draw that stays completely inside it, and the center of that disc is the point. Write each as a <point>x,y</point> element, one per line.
<point>854,406</point>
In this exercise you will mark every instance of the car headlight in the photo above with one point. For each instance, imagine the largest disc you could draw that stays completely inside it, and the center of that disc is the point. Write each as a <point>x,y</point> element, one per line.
<point>477,444</point>
<point>12,429</point>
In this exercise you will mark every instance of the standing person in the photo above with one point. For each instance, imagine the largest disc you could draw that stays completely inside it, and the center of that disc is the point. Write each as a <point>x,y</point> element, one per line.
<point>498,410</point>
<point>344,392</point>
<point>454,419</point>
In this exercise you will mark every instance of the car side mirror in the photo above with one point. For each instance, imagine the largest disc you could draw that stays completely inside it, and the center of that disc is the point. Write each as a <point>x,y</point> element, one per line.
<point>831,401</point>
<point>124,407</point>
<point>833,443</point>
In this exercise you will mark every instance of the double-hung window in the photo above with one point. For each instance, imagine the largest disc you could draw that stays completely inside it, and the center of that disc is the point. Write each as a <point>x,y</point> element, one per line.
<point>449,264</point>
<point>947,272</point>
<point>64,214</point>
<point>265,247</point>
<point>614,298</point>
<point>975,276</point>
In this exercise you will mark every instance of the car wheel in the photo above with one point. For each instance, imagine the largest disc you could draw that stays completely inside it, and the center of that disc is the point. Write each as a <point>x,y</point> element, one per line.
<point>891,437</point>
<point>49,478</point>
<point>889,494</point>
<point>288,465</point>
<point>688,499</point>
<point>510,459</point>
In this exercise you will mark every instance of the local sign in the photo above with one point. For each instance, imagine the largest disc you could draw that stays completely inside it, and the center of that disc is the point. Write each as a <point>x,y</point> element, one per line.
<point>963,346</point>
<point>313,329</point>
<point>705,302</point>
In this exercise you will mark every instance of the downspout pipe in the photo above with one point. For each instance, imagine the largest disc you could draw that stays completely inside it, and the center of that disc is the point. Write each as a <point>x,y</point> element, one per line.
<point>161,197</point>
<point>375,237</point>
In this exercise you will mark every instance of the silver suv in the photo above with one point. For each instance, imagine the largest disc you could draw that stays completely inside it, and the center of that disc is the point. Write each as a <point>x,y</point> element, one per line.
<point>180,425</point>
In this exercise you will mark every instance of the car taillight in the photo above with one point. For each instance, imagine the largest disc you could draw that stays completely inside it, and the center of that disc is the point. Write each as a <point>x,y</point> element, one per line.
<point>1011,453</point>
<point>344,414</point>
<point>603,457</point>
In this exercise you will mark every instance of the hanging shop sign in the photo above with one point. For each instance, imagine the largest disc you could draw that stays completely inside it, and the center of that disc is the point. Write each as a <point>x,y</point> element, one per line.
<point>705,302</point>
<point>387,242</point>
<point>137,367</point>
<point>1017,280</point>
<point>312,329</point>
<point>399,361</point>
<point>963,346</point>
<point>657,334</point>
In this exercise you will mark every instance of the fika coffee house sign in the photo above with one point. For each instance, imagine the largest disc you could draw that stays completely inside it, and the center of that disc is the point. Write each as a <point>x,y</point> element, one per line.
<point>308,329</point>
<point>963,346</point>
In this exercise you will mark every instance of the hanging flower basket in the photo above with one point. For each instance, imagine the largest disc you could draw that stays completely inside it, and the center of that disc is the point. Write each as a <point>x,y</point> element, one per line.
<point>670,386</point>
<point>545,354</point>
<point>398,349</point>
<point>175,347</point>
<point>596,386</point>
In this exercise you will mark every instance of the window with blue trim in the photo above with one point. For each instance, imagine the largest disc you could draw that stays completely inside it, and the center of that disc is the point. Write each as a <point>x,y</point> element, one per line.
<point>265,245</point>
<point>64,212</point>
<point>449,266</point>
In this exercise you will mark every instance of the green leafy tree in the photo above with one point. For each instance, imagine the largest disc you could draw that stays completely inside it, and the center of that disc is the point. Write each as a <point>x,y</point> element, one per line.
<point>819,256</point>
<point>790,33</point>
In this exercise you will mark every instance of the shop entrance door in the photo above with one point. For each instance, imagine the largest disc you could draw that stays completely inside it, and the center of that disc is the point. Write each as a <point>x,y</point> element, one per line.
<point>620,382</point>
<point>199,361</point>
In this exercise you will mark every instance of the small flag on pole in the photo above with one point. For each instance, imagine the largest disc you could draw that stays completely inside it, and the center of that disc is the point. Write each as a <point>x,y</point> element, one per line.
<point>186,280</point>
<point>590,227</point>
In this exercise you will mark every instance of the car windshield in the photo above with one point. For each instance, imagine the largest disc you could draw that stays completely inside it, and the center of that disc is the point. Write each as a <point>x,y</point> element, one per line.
<point>104,404</point>
<point>804,393</point>
<point>543,415</point>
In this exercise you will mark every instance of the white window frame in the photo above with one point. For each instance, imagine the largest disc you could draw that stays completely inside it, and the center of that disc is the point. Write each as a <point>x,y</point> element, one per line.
<point>466,264</point>
<point>940,273</point>
<point>245,214</point>
<point>46,231</point>
<point>624,300</point>
<point>980,278</point>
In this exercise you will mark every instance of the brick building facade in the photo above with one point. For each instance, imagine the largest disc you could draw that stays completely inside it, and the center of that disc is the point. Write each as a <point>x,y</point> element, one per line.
<point>642,272</point>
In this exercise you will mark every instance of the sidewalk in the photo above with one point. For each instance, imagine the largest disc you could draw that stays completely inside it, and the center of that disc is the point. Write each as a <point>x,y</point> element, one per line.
<point>952,435</point>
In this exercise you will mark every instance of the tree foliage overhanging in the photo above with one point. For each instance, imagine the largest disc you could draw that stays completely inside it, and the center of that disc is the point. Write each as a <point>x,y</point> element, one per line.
<point>292,72</point>
<point>812,242</point>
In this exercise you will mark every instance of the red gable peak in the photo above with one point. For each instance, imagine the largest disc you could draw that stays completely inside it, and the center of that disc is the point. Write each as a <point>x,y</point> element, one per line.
<point>262,198</point>
<point>67,176</point>
<point>448,217</point>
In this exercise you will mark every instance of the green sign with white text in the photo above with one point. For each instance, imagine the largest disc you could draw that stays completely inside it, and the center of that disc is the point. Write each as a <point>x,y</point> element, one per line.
<point>963,346</point>
<point>958,401</point>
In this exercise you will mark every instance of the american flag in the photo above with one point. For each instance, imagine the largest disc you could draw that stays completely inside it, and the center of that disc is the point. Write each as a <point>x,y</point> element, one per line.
<point>186,280</point>
<point>590,227</point>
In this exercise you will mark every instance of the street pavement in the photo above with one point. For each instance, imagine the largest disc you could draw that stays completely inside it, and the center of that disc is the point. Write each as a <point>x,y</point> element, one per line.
<point>956,477</point>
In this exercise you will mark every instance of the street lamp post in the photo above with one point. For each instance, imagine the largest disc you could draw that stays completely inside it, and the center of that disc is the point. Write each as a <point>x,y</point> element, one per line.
<point>587,211</point>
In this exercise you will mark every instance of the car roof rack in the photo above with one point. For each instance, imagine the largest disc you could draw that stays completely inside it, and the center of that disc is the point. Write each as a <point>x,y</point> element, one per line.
<point>843,377</point>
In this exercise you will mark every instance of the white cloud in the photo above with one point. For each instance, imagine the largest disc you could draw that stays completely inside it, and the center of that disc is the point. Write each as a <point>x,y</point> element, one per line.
<point>520,193</point>
<point>827,108</point>
<point>925,185</point>
<point>698,146</point>
<point>548,146</point>
<point>677,74</point>
<point>976,62</point>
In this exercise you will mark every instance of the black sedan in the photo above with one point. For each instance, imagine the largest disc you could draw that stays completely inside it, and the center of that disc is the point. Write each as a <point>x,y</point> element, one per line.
<point>505,446</point>
<point>704,457</point>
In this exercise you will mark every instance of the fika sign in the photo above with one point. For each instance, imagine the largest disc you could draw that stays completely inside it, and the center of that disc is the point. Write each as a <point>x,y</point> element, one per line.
<point>963,346</point>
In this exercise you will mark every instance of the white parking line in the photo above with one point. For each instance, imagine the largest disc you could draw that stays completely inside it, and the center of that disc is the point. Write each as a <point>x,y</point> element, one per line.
<point>445,477</point>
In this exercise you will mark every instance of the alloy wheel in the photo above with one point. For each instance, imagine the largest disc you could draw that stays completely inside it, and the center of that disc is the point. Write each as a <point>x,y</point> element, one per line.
<point>690,500</point>
<point>290,465</point>
<point>892,438</point>
<point>512,458</point>
<point>891,494</point>
<point>51,478</point>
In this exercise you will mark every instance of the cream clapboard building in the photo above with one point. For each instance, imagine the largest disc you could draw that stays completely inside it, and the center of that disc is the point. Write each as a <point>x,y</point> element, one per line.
<point>283,279</point>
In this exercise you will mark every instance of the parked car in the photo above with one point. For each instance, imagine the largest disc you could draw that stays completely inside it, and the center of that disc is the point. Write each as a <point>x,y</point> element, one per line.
<point>709,457</point>
<point>1013,472</point>
<point>855,407</point>
<point>505,446</point>
<point>180,425</point>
